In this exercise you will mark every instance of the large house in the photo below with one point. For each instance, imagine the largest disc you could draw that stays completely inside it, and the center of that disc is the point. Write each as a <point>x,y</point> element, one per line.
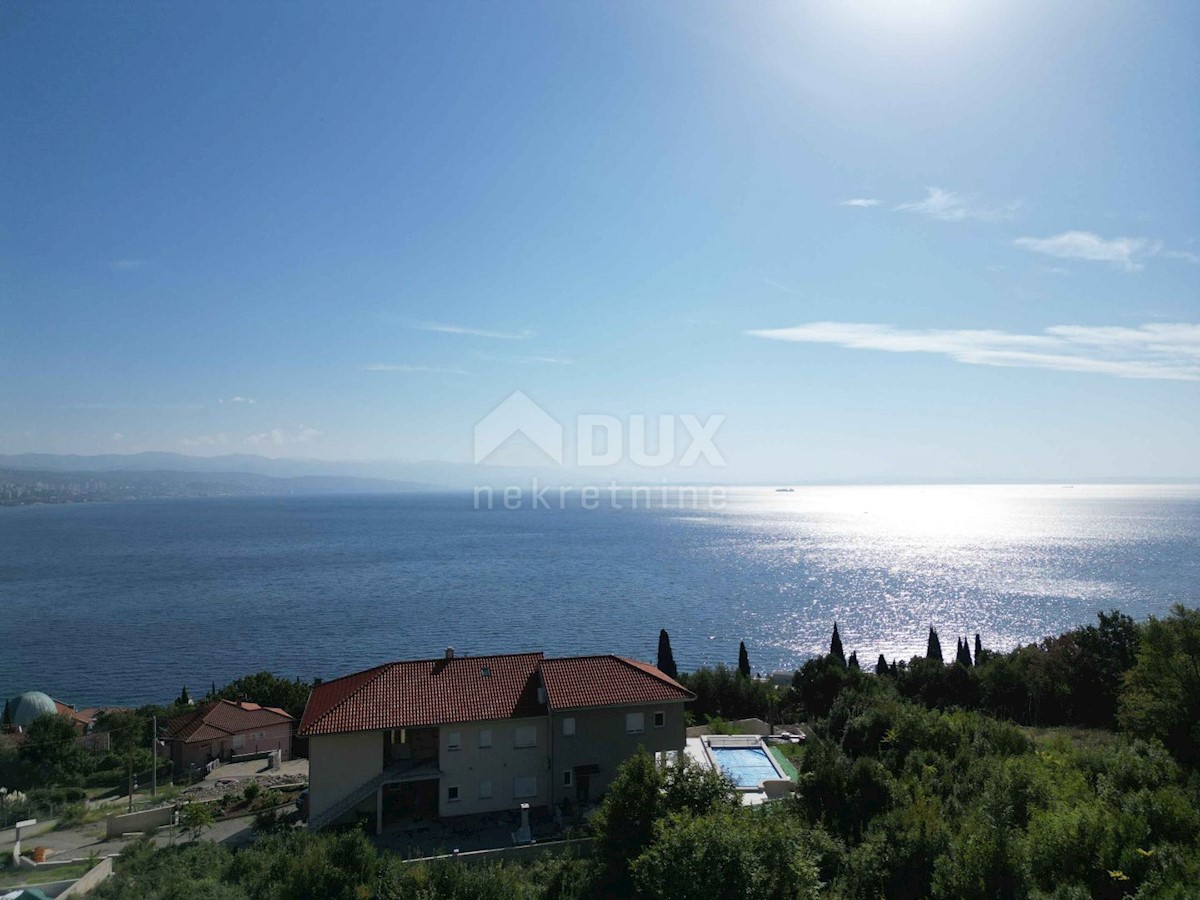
<point>224,730</point>
<point>472,734</point>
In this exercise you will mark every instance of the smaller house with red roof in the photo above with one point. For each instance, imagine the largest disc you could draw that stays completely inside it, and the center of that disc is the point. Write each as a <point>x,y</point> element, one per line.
<point>225,729</point>
<point>462,735</point>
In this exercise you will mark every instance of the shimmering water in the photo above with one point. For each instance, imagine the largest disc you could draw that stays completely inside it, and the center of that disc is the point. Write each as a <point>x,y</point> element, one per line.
<point>128,602</point>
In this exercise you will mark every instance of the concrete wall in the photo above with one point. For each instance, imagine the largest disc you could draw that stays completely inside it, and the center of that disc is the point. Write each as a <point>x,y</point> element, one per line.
<point>601,740</point>
<point>90,878</point>
<point>500,764</point>
<point>339,763</point>
<point>115,826</point>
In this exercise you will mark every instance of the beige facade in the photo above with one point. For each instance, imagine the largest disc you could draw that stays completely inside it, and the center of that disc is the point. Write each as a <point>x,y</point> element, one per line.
<point>591,744</point>
<point>493,765</point>
<point>339,763</point>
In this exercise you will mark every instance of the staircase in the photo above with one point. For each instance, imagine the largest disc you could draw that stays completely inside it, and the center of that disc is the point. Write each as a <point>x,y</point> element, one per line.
<point>347,803</point>
<point>355,797</point>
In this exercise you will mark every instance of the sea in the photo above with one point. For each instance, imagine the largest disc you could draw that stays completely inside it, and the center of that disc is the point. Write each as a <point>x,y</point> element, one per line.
<point>127,603</point>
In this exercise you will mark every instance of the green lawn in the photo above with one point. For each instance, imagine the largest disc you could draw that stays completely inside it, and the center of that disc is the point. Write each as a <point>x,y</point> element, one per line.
<point>784,763</point>
<point>12,877</point>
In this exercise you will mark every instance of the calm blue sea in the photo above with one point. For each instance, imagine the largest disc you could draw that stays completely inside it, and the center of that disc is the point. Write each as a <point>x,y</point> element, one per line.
<point>126,603</point>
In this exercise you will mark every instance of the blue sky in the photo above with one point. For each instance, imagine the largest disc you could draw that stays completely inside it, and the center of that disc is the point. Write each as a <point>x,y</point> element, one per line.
<point>375,221</point>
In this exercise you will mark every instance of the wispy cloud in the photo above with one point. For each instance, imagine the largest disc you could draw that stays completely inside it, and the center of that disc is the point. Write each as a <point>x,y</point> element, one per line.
<point>1125,252</point>
<point>405,367</point>
<point>948,206</point>
<point>1185,255</point>
<point>118,436</point>
<point>1157,351</point>
<point>249,401</point>
<point>278,437</point>
<point>551,359</point>
<point>861,202</point>
<point>205,440</point>
<point>442,328</point>
<point>124,265</point>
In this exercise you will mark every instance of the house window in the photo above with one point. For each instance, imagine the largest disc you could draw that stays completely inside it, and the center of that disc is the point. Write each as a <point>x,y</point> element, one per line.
<point>635,723</point>
<point>660,719</point>
<point>525,736</point>
<point>454,741</point>
<point>485,790</point>
<point>569,726</point>
<point>239,741</point>
<point>525,787</point>
<point>452,793</point>
<point>568,778</point>
<point>485,738</point>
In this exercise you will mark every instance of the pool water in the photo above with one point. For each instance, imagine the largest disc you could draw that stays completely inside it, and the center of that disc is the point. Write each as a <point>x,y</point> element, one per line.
<point>747,767</point>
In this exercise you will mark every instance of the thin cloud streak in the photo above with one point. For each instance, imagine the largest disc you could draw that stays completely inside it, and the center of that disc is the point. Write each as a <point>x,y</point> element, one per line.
<point>1169,352</point>
<point>948,206</point>
<point>860,202</point>
<point>405,367</point>
<point>1125,252</point>
<point>442,328</point>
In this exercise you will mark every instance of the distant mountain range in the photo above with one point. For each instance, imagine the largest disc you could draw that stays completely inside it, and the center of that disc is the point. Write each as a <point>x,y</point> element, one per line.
<point>48,478</point>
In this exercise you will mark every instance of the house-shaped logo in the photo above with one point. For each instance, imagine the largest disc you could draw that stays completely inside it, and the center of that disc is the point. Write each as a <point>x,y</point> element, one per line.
<point>518,415</point>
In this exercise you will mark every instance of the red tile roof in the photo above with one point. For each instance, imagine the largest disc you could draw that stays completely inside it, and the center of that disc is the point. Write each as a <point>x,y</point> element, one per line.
<point>426,692</point>
<point>444,691</point>
<point>222,719</point>
<point>582,681</point>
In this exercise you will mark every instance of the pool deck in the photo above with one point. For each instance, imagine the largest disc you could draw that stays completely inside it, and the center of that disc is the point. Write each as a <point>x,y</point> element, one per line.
<point>696,750</point>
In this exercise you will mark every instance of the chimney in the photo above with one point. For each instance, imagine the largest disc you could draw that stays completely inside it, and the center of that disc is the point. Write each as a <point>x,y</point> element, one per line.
<point>449,653</point>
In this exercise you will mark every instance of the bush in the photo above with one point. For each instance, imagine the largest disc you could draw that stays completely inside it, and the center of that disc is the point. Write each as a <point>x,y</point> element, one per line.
<point>252,790</point>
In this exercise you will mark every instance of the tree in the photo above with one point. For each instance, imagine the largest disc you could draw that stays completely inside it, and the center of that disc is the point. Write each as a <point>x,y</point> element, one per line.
<point>624,822</point>
<point>743,661</point>
<point>933,650</point>
<point>835,645</point>
<point>7,721</point>
<point>196,817</point>
<point>666,659</point>
<point>754,854</point>
<point>978,649</point>
<point>269,690</point>
<point>1161,697</point>
<point>853,661</point>
<point>881,667</point>
<point>51,751</point>
<point>963,655</point>
<point>183,699</point>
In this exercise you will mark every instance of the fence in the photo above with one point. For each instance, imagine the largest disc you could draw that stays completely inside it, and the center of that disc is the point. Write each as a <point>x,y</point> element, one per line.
<point>523,853</point>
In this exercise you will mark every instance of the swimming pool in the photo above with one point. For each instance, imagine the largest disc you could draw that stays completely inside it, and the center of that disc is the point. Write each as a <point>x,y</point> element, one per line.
<point>746,767</point>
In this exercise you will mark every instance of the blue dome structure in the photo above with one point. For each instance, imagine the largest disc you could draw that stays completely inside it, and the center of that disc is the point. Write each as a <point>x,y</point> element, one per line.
<point>29,706</point>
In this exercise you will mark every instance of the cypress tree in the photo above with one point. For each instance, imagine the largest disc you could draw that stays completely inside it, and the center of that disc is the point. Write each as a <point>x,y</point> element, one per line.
<point>963,655</point>
<point>881,667</point>
<point>894,669</point>
<point>978,648</point>
<point>666,659</point>
<point>7,714</point>
<point>835,645</point>
<point>743,661</point>
<point>853,661</point>
<point>184,699</point>
<point>933,650</point>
